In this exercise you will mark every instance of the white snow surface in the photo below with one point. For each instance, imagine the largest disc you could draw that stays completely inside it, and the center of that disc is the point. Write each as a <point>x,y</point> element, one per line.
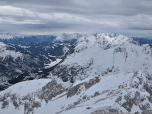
<point>53,63</point>
<point>26,87</point>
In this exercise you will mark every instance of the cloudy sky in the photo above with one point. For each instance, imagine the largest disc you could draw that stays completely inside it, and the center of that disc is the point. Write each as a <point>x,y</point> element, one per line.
<point>128,17</point>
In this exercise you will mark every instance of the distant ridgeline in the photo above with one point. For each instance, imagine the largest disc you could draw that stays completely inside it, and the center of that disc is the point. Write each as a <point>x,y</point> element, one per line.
<point>143,40</point>
<point>20,39</point>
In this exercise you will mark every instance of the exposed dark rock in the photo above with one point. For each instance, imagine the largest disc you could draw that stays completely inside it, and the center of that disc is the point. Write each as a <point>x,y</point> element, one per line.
<point>74,90</point>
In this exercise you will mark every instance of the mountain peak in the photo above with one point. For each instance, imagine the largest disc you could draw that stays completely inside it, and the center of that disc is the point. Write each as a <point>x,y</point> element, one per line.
<point>67,37</point>
<point>10,35</point>
<point>104,40</point>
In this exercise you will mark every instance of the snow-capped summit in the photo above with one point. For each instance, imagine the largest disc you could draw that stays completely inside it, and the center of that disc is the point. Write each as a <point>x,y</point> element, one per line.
<point>104,54</point>
<point>68,37</point>
<point>112,39</point>
<point>105,40</point>
<point>10,35</point>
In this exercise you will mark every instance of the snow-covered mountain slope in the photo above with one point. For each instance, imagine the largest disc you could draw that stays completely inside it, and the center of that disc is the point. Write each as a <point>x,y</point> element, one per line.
<point>15,60</point>
<point>94,95</point>
<point>110,73</point>
<point>104,54</point>
<point>26,87</point>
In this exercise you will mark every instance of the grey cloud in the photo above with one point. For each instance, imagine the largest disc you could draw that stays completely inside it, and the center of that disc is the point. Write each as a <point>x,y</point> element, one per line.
<point>141,28</point>
<point>88,16</point>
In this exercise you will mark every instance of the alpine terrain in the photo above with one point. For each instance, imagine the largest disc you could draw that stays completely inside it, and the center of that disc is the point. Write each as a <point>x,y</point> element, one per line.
<point>99,74</point>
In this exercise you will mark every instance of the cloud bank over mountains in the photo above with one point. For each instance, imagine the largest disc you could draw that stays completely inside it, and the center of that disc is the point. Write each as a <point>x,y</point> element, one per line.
<point>85,16</point>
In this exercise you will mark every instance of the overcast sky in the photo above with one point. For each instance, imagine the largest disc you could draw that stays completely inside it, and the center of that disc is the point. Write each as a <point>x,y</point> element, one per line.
<point>128,17</point>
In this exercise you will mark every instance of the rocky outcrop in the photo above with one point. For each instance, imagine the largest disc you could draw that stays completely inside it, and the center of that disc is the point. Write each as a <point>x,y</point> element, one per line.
<point>33,100</point>
<point>52,89</point>
<point>76,89</point>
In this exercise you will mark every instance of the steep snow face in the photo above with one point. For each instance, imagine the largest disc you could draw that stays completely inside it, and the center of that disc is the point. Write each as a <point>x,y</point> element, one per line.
<point>26,87</point>
<point>67,37</point>
<point>104,54</point>
<point>24,97</point>
<point>10,36</point>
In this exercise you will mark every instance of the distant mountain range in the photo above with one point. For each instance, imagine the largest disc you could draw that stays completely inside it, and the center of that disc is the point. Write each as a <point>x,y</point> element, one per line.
<point>101,73</point>
<point>23,39</point>
<point>143,40</point>
<point>14,61</point>
<point>19,62</point>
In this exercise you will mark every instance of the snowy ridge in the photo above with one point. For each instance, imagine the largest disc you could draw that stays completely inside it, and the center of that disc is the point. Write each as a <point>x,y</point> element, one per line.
<point>67,37</point>
<point>105,40</point>
<point>26,87</point>
<point>6,53</point>
<point>13,54</point>
<point>10,35</point>
<point>92,56</point>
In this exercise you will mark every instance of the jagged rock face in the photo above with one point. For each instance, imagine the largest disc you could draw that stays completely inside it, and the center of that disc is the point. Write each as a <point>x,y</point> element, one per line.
<point>105,54</point>
<point>32,100</point>
<point>134,96</point>
<point>128,95</point>
<point>52,89</point>
<point>76,89</point>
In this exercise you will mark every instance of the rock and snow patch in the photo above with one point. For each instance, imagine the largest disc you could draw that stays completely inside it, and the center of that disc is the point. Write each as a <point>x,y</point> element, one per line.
<point>24,97</point>
<point>9,53</point>
<point>53,63</point>
<point>120,93</point>
<point>65,49</point>
<point>105,54</point>
<point>4,52</point>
